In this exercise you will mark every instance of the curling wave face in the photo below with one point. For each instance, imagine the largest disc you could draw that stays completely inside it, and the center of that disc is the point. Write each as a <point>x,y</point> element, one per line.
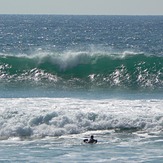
<point>83,69</point>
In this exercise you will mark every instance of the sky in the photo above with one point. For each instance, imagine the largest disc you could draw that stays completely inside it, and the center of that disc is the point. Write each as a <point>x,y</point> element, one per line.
<point>82,7</point>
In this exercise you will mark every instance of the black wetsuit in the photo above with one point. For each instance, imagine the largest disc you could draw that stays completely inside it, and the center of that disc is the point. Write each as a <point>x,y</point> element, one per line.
<point>91,141</point>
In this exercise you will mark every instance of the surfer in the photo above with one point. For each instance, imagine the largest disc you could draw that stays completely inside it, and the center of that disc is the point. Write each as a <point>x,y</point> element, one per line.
<point>91,140</point>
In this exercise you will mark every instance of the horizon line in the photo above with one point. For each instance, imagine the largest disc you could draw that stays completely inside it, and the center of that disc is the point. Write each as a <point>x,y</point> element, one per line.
<point>60,14</point>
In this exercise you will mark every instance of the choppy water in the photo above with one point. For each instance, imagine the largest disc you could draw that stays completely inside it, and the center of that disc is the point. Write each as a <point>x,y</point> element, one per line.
<point>64,78</point>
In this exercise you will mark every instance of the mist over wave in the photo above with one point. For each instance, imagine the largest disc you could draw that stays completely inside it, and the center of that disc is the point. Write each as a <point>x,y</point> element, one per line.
<point>85,52</point>
<point>83,69</point>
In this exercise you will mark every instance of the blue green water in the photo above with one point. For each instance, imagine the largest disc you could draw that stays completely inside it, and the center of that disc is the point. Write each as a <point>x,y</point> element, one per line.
<point>64,78</point>
<point>81,52</point>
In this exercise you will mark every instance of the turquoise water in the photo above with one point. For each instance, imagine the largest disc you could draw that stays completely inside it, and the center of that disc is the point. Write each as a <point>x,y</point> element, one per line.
<point>81,52</point>
<point>56,151</point>
<point>65,78</point>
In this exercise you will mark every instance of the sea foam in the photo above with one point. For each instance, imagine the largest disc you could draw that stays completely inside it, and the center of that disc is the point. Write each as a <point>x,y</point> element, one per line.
<point>41,117</point>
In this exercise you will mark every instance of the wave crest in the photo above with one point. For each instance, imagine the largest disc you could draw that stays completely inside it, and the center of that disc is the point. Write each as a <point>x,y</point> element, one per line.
<point>85,69</point>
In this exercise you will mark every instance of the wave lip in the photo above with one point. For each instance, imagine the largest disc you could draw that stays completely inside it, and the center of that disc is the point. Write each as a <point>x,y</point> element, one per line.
<point>85,69</point>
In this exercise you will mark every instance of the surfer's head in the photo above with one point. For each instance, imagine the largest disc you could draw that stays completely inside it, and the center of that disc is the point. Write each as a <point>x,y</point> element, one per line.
<point>92,136</point>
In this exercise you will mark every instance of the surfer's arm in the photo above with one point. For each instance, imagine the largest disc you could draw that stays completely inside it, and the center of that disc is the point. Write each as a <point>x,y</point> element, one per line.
<point>95,141</point>
<point>85,140</point>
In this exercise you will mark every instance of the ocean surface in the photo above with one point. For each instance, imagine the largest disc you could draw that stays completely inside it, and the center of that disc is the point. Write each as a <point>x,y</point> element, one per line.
<point>65,78</point>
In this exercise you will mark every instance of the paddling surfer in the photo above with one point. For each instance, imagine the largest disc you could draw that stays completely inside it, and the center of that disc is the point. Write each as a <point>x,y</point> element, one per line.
<point>91,140</point>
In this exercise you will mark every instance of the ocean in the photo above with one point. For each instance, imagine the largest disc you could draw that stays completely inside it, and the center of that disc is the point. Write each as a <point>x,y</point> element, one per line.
<point>64,78</point>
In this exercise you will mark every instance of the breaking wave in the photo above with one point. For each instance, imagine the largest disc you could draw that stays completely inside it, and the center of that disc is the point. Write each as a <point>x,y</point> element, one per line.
<point>84,70</point>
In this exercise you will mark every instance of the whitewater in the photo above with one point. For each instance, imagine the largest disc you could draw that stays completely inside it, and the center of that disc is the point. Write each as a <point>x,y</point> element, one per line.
<point>65,78</point>
<point>52,130</point>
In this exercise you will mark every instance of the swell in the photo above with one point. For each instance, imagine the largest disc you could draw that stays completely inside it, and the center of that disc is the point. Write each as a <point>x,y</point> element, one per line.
<point>84,70</point>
